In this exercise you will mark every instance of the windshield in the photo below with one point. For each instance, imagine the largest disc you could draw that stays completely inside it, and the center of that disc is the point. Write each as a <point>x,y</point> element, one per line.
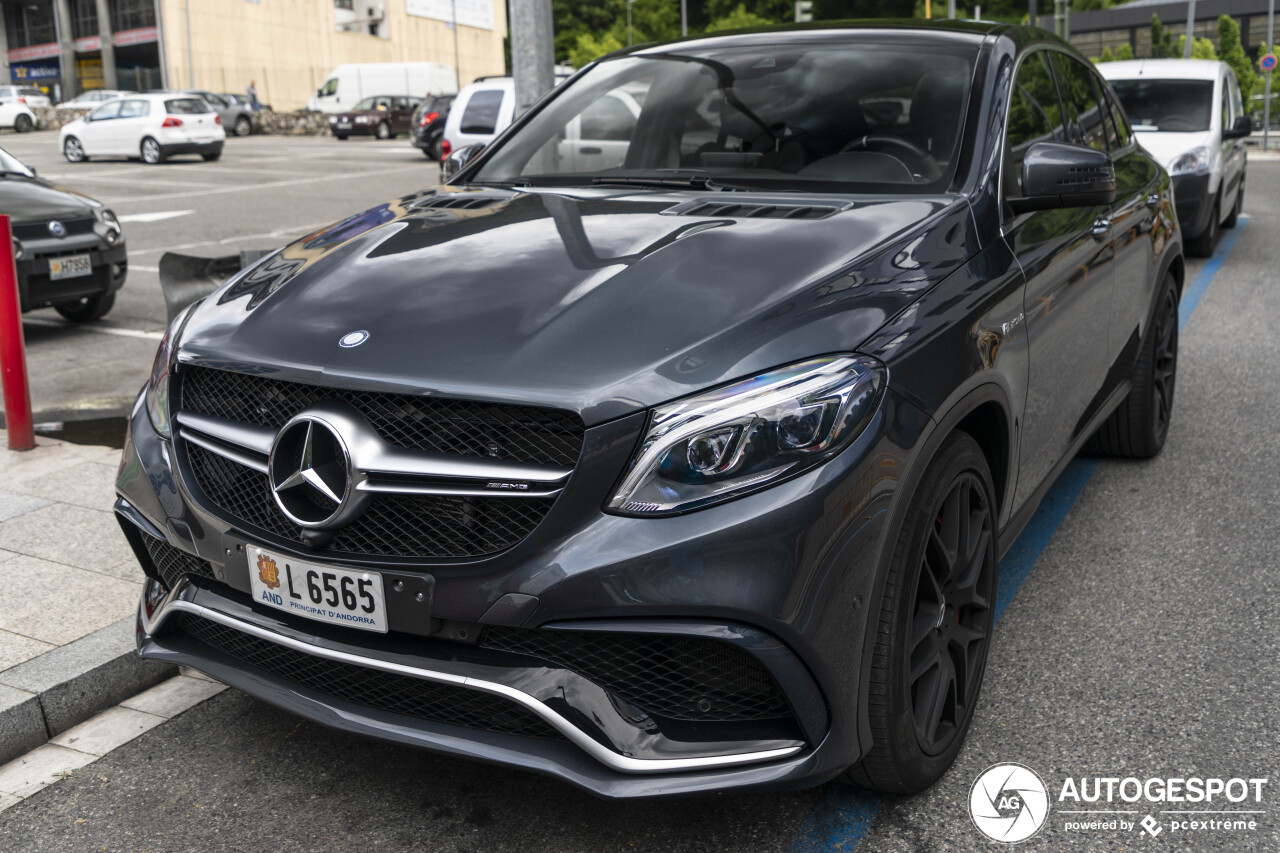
<point>11,164</point>
<point>368,104</point>
<point>816,117</point>
<point>1174,106</point>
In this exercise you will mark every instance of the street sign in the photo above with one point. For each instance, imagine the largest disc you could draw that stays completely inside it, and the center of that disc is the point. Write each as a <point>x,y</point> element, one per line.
<point>1268,62</point>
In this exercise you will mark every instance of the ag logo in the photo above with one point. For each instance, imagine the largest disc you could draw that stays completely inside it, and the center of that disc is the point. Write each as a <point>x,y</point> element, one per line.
<point>1008,803</point>
<point>267,571</point>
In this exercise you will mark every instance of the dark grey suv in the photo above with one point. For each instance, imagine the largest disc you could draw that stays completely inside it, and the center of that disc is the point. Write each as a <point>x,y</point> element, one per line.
<point>674,445</point>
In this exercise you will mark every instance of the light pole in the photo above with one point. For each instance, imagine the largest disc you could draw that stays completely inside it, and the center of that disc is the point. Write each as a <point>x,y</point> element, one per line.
<point>1266,103</point>
<point>457,64</point>
<point>1191,26</point>
<point>629,2</point>
<point>191,59</point>
<point>684,18</point>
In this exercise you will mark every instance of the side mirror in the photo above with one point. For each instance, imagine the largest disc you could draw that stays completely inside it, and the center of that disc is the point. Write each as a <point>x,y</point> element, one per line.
<point>1057,175</point>
<point>1243,127</point>
<point>455,162</point>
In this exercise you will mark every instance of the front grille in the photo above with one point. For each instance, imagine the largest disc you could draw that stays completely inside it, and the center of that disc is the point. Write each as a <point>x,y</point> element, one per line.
<point>458,427</point>
<point>391,526</point>
<point>370,688</point>
<point>40,230</point>
<point>680,678</point>
<point>172,563</point>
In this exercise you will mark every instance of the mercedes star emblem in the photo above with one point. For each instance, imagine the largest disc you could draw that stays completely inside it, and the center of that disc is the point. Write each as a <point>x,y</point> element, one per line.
<point>310,472</point>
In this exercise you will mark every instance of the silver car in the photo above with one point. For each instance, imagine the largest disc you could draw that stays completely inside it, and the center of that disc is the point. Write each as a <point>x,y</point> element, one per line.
<point>237,117</point>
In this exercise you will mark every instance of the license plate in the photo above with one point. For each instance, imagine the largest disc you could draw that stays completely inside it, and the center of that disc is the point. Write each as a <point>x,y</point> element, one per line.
<point>342,125</point>
<point>71,266</point>
<point>323,593</point>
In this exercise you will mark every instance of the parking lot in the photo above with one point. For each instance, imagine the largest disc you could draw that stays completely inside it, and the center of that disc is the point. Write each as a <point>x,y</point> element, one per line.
<point>1138,636</point>
<point>264,192</point>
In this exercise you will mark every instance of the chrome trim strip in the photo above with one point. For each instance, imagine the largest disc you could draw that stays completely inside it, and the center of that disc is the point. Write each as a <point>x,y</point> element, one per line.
<point>384,487</point>
<point>248,436</point>
<point>597,750</point>
<point>226,451</point>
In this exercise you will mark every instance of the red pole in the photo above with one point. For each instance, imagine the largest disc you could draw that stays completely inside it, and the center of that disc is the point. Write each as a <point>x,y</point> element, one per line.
<point>13,356</point>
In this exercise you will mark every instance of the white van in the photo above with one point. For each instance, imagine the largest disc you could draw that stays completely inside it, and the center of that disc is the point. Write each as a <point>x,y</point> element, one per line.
<point>1188,114</point>
<point>348,84</point>
<point>484,109</point>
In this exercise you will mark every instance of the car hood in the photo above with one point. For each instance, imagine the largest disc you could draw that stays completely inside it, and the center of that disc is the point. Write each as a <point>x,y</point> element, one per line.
<point>1167,147</point>
<point>38,200</point>
<point>603,302</point>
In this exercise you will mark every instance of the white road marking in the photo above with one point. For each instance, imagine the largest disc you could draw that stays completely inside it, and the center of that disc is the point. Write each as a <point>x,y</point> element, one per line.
<point>140,268</point>
<point>269,185</point>
<point>155,216</point>
<point>97,330</point>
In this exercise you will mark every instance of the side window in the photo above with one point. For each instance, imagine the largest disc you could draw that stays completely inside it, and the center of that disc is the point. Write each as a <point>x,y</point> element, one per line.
<point>1118,118</point>
<point>608,118</point>
<point>134,109</point>
<point>330,87</point>
<point>481,113</point>
<point>1034,116</point>
<point>1081,101</point>
<point>109,111</point>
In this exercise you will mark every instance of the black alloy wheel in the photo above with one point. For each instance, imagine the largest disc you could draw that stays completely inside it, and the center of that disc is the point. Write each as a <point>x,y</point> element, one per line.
<point>1165,363</point>
<point>951,618</point>
<point>932,627</point>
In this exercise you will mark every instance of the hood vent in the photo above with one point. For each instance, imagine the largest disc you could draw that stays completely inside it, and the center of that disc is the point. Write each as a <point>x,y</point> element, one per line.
<point>755,209</point>
<point>460,201</point>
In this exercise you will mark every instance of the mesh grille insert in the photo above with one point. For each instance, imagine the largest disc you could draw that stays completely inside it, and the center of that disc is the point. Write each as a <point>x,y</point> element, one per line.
<point>391,526</point>
<point>371,688</point>
<point>681,678</point>
<point>173,563</point>
<point>460,427</point>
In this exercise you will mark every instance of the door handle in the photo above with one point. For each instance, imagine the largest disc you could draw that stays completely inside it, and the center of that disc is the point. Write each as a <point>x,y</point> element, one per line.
<point>1100,228</point>
<point>590,150</point>
<point>1153,200</point>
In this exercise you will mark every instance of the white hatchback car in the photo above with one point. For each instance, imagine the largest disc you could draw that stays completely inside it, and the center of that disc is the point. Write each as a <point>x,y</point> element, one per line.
<point>17,116</point>
<point>150,127</point>
<point>32,96</point>
<point>1188,114</point>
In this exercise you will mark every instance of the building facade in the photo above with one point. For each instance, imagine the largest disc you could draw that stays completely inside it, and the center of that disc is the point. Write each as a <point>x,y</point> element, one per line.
<point>286,48</point>
<point>1130,23</point>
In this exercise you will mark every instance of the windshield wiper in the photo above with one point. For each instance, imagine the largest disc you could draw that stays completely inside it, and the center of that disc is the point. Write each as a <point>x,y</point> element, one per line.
<point>520,183</point>
<point>695,182</point>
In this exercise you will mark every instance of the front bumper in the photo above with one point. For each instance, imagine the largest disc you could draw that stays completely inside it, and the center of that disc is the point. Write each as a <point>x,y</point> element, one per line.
<point>780,576</point>
<point>353,130</point>
<point>37,290</point>
<point>1193,203</point>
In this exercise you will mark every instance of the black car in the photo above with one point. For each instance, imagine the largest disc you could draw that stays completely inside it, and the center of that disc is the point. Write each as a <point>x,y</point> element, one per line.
<point>426,128</point>
<point>674,445</point>
<point>69,250</point>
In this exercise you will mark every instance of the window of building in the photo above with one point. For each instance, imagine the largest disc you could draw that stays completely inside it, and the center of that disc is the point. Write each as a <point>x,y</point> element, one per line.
<point>132,14</point>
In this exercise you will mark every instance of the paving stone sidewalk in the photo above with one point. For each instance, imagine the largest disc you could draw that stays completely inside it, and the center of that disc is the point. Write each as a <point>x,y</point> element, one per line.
<point>69,586</point>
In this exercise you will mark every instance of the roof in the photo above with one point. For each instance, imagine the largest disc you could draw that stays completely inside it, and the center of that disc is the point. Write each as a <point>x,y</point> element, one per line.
<point>1162,69</point>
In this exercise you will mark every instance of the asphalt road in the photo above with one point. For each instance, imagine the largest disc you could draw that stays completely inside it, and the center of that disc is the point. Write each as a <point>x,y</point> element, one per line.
<point>264,192</point>
<point>1143,642</point>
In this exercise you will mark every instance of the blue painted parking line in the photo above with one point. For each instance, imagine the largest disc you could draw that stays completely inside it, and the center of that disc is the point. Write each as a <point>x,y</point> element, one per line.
<point>843,815</point>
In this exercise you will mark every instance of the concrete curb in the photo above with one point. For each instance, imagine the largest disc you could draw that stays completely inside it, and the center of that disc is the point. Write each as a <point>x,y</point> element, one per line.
<point>43,697</point>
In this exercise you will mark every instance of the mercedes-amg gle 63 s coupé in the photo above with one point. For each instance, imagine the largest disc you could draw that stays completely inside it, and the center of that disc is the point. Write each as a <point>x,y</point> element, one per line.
<point>673,444</point>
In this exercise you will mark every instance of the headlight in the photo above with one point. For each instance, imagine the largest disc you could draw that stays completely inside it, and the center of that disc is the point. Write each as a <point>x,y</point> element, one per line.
<point>158,384</point>
<point>1194,162</point>
<point>362,120</point>
<point>112,232</point>
<point>739,438</point>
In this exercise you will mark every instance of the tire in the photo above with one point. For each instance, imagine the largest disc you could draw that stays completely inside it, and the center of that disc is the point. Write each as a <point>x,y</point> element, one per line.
<point>383,130</point>
<point>242,127</point>
<point>211,156</point>
<point>341,137</point>
<point>936,610</point>
<point>152,153</point>
<point>437,152</point>
<point>73,150</point>
<point>1203,246</point>
<point>1139,427</point>
<point>23,124</point>
<point>426,152</point>
<point>88,309</point>
<point>1230,221</point>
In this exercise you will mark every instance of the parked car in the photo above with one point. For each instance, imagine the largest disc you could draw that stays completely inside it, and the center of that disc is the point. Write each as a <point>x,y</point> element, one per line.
<point>29,95</point>
<point>69,250</point>
<point>18,116</point>
<point>237,117</point>
<point>383,116</point>
<point>152,127</point>
<point>683,468</point>
<point>426,126</point>
<point>347,85</point>
<point>1189,114</point>
<point>481,111</point>
<point>93,98</point>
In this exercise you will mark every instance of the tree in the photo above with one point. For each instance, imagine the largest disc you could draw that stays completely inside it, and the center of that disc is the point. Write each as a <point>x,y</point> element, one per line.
<point>587,47</point>
<point>1200,48</point>
<point>1232,53</point>
<point>1107,55</point>
<point>1161,40</point>
<point>738,19</point>
<point>1124,51</point>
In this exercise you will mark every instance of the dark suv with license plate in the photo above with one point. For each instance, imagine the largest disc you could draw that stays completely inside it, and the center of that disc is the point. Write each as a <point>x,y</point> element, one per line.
<point>673,445</point>
<point>69,250</point>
